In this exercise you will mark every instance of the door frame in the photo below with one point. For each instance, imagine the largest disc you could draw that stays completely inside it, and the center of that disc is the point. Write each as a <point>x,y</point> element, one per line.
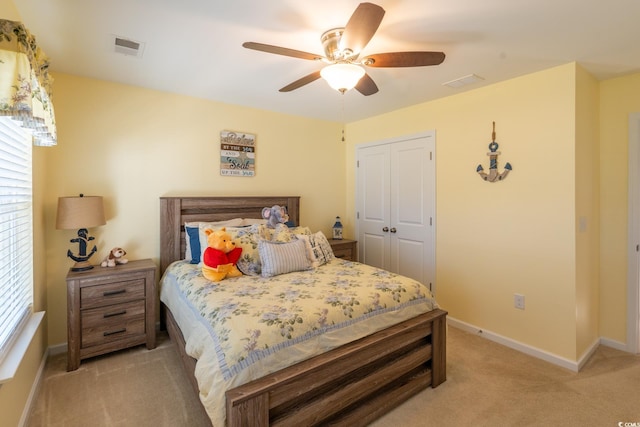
<point>364,145</point>
<point>633,240</point>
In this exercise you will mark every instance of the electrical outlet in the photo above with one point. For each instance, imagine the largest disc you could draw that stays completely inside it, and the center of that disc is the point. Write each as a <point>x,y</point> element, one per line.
<point>518,301</point>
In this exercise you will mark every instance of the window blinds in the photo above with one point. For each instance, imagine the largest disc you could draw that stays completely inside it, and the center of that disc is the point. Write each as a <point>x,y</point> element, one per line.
<point>16,231</point>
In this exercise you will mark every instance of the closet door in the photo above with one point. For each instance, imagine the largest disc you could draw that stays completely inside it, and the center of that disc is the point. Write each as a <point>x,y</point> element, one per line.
<point>374,198</point>
<point>410,214</point>
<point>396,205</point>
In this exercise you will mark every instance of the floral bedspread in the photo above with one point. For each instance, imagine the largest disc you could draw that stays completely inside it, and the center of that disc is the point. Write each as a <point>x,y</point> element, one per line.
<point>252,317</point>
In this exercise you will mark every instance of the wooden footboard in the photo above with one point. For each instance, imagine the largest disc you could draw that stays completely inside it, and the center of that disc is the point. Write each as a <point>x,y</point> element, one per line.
<point>351,385</point>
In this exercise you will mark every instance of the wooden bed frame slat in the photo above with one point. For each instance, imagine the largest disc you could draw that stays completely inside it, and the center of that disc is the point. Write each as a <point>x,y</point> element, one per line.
<point>351,385</point>
<point>374,348</point>
<point>345,394</point>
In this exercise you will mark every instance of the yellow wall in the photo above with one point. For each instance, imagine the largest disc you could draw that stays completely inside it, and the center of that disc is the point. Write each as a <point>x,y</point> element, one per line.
<point>514,236</point>
<point>587,210</point>
<point>618,98</point>
<point>133,145</point>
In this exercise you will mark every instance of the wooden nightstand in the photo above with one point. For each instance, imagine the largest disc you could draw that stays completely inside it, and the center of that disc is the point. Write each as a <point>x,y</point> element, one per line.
<point>110,308</point>
<point>345,249</point>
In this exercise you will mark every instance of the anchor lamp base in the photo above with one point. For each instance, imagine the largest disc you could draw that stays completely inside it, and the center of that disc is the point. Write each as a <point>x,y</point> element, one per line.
<point>82,259</point>
<point>82,266</point>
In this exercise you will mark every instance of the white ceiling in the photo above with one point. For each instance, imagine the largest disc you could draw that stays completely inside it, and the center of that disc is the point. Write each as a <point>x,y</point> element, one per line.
<point>194,47</point>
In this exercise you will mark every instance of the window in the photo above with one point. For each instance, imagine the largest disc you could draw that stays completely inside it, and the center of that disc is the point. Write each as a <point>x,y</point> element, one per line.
<point>16,232</point>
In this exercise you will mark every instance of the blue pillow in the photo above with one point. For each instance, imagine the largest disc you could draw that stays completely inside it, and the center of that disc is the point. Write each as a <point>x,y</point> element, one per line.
<point>194,242</point>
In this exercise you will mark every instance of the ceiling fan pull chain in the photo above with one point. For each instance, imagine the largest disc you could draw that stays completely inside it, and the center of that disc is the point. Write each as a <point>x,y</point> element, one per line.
<point>342,116</point>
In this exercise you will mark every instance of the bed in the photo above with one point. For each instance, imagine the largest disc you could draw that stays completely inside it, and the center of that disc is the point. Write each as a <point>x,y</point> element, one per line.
<point>351,384</point>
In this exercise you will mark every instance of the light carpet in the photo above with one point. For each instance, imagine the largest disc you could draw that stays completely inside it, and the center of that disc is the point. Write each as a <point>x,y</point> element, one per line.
<point>487,385</point>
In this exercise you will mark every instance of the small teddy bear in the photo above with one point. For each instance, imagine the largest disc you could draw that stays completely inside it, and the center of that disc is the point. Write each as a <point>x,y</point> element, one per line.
<point>275,215</point>
<point>115,257</point>
<point>221,255</point>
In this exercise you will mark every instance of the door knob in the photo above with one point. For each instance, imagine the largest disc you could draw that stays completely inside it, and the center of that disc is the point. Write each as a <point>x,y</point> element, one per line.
<point>393,229</point>
<point>385,229</point>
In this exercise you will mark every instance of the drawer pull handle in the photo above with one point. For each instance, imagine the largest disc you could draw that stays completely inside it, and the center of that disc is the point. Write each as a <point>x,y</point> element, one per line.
<point>111,293</point>
<point>117,313</point>
<point>119,331</point>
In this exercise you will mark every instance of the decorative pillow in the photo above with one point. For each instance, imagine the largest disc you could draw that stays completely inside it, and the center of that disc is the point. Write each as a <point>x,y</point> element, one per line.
<point>192,241</point>
<point>282,233</point>
<point>279,258</point>
<point>246,238</point>
<point>192,237</point>
<point>301,230</point>
<point>307,244</point>
<point>321,248</point>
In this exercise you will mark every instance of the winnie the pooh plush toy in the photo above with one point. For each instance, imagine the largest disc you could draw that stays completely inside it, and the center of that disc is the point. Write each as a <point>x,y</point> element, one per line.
<point>220,256</point>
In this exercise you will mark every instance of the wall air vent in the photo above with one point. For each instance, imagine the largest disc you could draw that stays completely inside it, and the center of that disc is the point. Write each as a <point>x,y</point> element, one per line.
<point>128,47</point>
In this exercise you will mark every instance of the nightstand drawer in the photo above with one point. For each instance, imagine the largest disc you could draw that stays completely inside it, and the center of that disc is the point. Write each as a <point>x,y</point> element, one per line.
<point>345,249</point>
<point>346,253</point>
<point>112,323</point>
<point>111,293</point>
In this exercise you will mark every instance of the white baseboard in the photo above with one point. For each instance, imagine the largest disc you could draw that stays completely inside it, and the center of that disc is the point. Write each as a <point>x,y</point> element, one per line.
<point>615,344</point>
<point>523,348</point>
<point>35,387</point>
<point>58,349</point>
<point>33,394</point>
<point>587,354</point>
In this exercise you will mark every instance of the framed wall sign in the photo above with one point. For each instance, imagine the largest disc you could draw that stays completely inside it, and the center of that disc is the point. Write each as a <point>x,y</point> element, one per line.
<point>237,153</point>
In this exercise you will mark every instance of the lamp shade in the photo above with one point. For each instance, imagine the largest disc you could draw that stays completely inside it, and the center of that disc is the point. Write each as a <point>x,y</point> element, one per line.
<point>342,77</point>
<point>79,212</point>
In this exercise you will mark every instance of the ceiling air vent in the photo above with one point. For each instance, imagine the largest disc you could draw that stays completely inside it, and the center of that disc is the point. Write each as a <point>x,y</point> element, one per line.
<point>128,47</point>
<point>463,81</point>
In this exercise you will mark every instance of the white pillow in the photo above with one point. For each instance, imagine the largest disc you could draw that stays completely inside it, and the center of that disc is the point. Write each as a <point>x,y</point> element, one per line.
<point>279,258</point>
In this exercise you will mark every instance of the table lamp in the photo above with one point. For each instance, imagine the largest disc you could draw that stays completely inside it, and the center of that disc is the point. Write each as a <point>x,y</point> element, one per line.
<point>80,213</point>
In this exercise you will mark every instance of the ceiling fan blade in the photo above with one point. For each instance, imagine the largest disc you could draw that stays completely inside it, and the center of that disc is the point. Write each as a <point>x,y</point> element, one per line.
<point>361,27</point>
<point>301,82</point>
<point>404,59</point>
<point>366,86</point>
<point>281,51</point>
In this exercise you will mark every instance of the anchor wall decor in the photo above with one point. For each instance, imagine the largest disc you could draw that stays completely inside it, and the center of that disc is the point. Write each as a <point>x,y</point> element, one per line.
<point>493,154</point>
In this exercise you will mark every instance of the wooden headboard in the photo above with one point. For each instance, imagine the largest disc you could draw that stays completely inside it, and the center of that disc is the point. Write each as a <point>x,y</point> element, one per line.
<point>175,211</point>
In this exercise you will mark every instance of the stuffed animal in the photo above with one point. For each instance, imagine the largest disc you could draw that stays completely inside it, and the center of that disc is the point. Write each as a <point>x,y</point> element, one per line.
<point>220,256</point>
<point>275,215</point>
<point>115,257</point>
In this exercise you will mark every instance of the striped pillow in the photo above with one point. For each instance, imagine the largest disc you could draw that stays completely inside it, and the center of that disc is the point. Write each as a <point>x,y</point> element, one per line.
<point>279,258</point>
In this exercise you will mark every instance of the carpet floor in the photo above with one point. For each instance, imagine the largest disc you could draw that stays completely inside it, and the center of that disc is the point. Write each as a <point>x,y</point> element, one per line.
<point>487,385</point>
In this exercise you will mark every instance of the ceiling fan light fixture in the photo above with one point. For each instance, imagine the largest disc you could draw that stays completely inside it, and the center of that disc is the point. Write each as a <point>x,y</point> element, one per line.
<point>342,77</point>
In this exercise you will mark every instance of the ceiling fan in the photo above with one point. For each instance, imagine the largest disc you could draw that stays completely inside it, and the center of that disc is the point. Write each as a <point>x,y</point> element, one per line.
<point>342,48</point>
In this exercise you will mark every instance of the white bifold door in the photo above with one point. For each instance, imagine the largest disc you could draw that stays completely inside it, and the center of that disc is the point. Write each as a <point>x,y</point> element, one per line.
<point>395,206</point>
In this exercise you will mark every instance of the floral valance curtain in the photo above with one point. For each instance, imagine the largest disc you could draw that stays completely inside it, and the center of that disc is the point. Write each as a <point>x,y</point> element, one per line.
<point>25,85</point>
